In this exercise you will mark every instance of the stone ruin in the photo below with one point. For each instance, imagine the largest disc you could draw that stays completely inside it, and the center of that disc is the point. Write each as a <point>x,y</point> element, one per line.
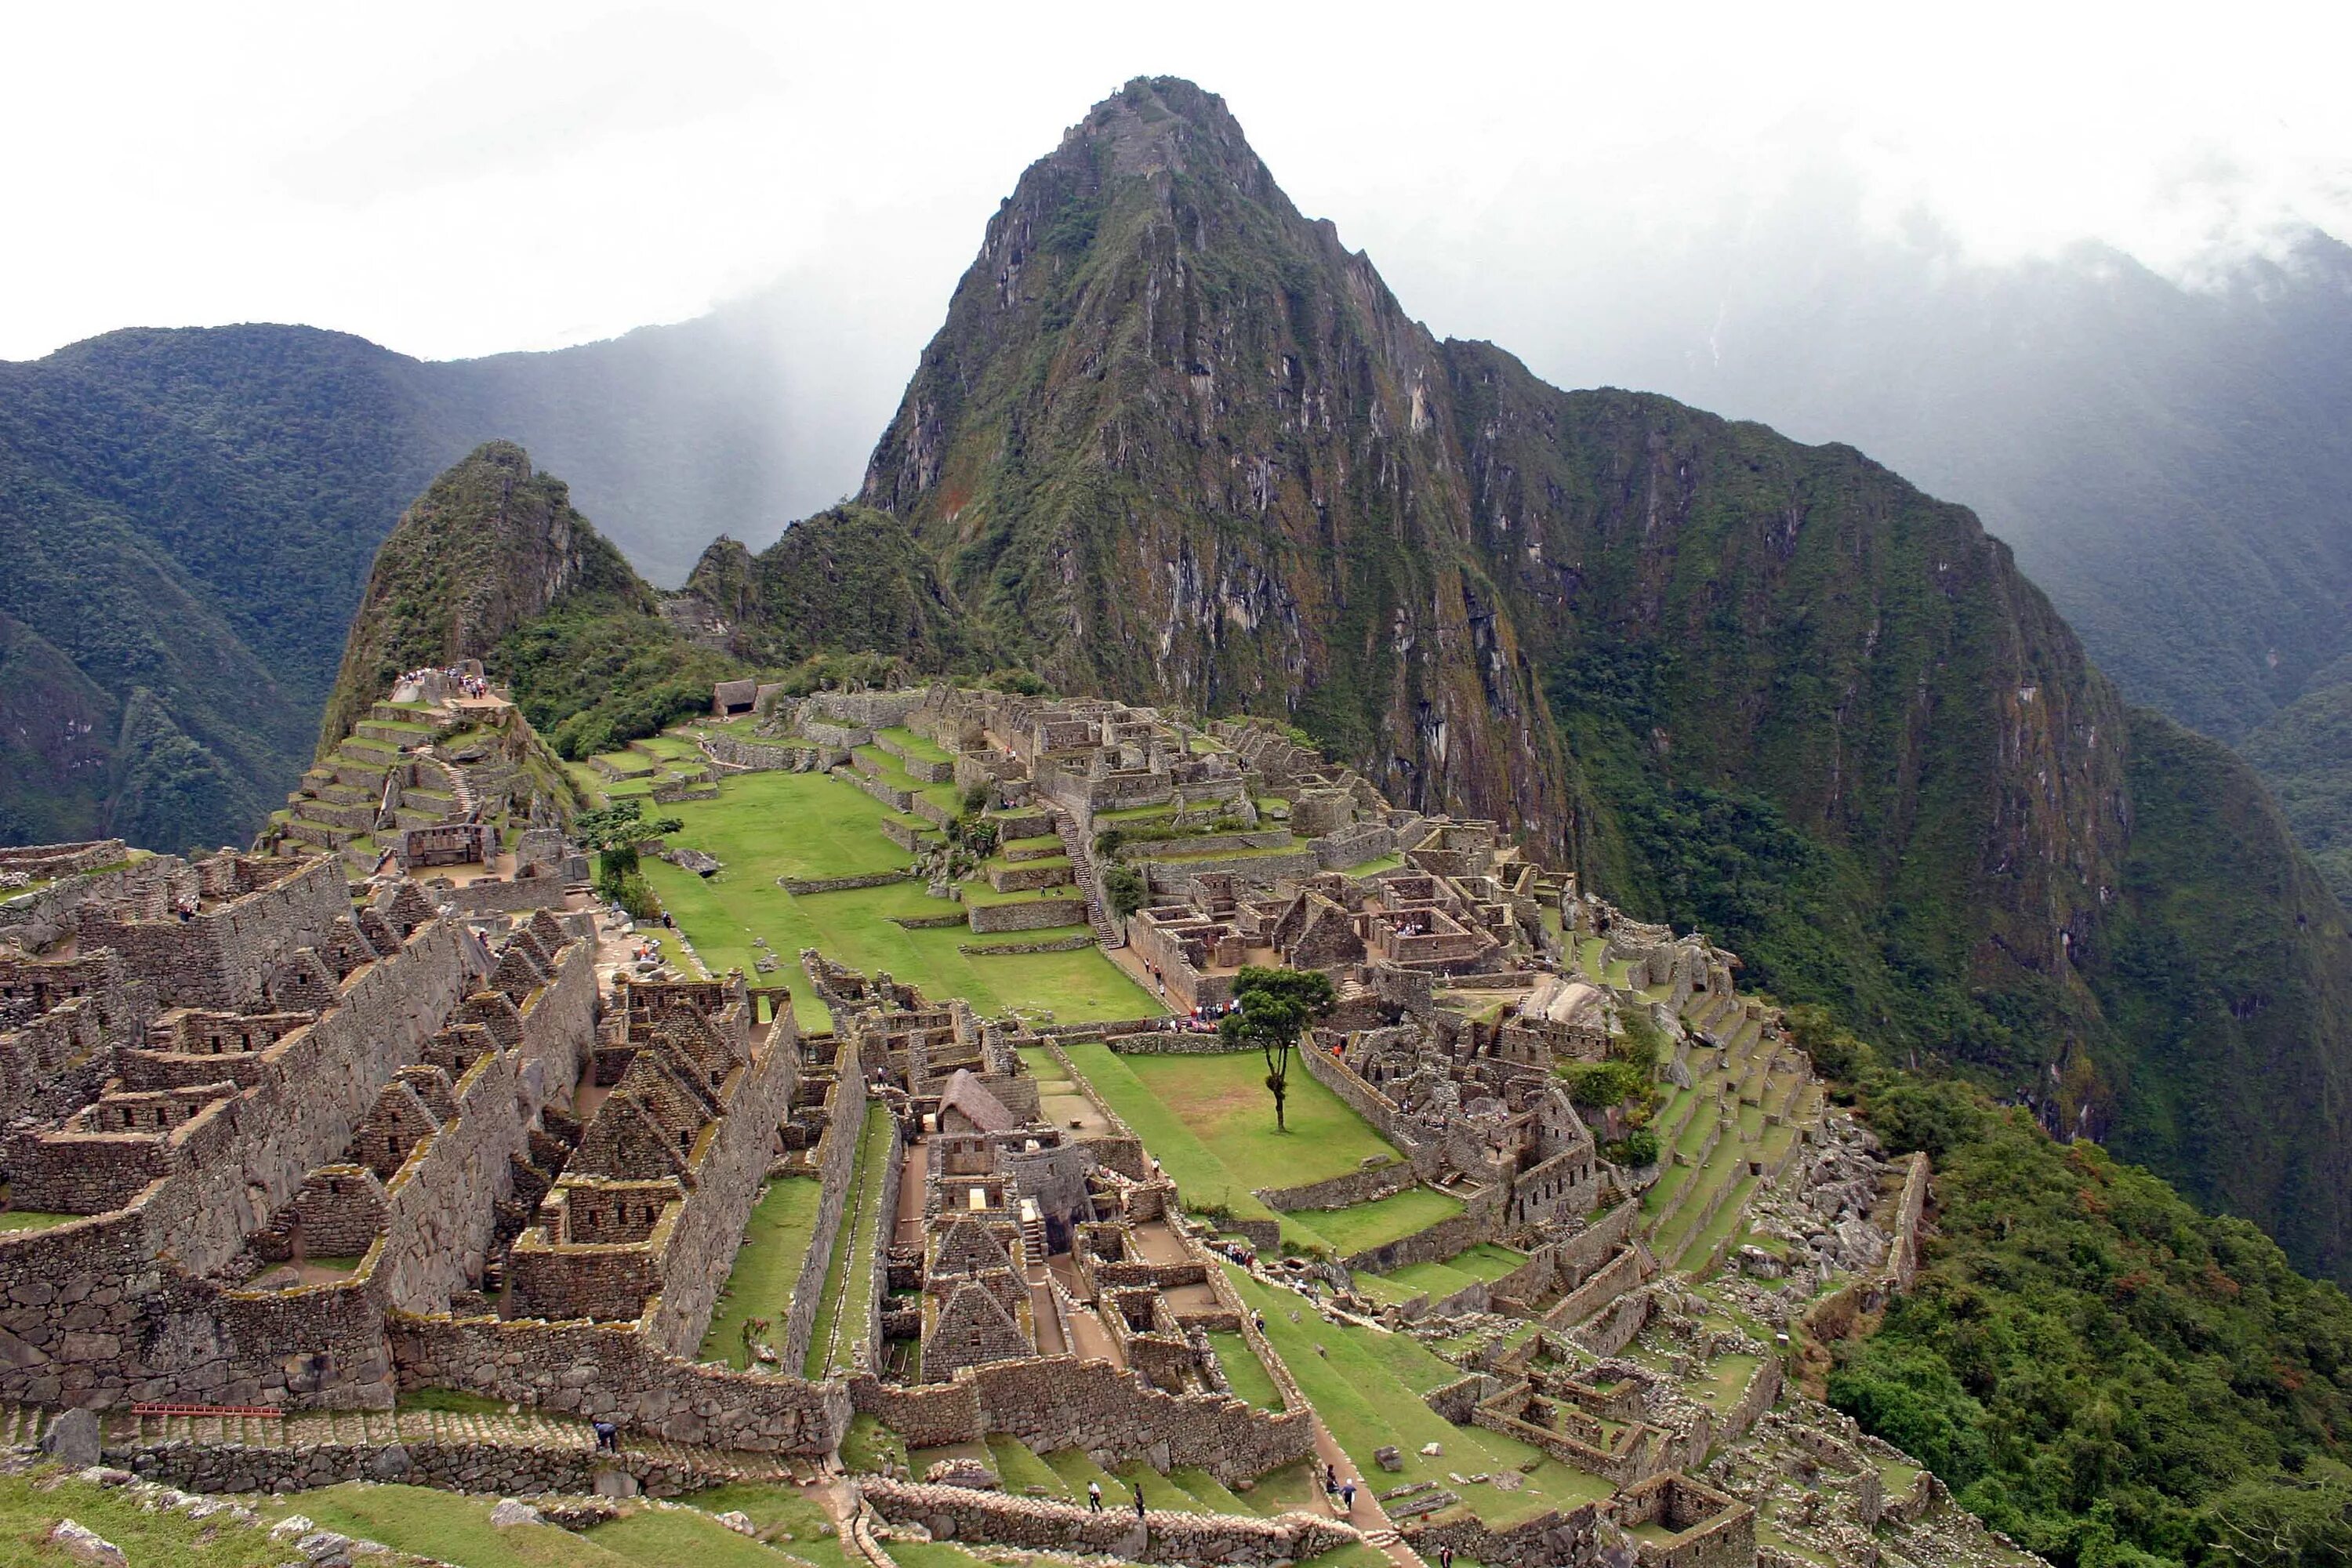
<point>280,1142</point>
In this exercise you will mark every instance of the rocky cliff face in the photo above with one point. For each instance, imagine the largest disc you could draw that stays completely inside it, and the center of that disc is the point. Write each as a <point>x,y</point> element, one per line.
<point>487,548</point>
<point>1174,442</point>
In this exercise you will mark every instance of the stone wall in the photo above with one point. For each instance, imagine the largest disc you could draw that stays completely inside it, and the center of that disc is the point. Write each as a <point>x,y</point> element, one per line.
<point>1362,1186</point>
<point>1210,843</point>
<point>1433,1243</point>
<point>1347,846</point>
<point>964,1513</point>
<point>927,1415</point>
<point>494,895</point>
<point>801,887</point>
<point>1035,915</point>
<point>222,957</point>
<point>1175,1042</point>
<point>1060,1402</point>
<point>490,1469</point>
<point>1049,944</point>
<point>1168,877</point>
<point>1902,1257</point>
<point>1550,1540</point>
<point>756,757</point>
<point>726,1183</point>
<point>1632,1266</point>
<point>1366,1102</point>
<point>614,1372</point>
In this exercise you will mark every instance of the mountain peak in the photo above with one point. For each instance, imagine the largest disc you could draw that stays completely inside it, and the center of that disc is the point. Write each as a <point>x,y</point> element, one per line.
<point>1156,124</point>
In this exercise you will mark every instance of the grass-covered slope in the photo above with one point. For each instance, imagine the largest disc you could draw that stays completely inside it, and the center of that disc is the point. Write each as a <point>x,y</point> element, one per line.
<point>2098,1368</point>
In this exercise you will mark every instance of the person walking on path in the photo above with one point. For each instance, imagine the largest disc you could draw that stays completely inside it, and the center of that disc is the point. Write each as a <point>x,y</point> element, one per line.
<point>1094,1496</point>
<point>1348,1497</point>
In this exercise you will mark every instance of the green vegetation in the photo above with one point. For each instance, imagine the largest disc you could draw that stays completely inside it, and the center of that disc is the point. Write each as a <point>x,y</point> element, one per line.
<point>1245,1373</point>
<point>1278,1005</point>
<point>1360,1227</point>
<point>841,1317</point>
<point>1367,1385</point>
<point>807,826</point>
<point>1204,1118</point>
<point>759,1285</point>
<point>450,1526</point>
<point>2099,1369</point>
<point>30,1506</point>
<point>1218,1101</point>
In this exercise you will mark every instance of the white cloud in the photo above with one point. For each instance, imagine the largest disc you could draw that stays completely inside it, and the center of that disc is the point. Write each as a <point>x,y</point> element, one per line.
<point>460,179</point>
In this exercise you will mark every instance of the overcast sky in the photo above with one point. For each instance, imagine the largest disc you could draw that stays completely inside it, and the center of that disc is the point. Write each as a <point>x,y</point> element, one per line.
<point>460,179</point>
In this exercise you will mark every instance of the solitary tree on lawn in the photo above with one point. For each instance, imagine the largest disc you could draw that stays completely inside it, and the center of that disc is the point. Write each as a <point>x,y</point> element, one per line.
<point>1277,1006</point>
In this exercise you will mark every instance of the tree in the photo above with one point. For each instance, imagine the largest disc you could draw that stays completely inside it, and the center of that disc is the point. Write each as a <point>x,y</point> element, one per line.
<point>1277,1006</point>
<point>614,832</point>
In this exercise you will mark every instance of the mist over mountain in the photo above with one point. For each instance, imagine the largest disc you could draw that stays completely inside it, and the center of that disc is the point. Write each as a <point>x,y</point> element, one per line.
<point>189,516</point>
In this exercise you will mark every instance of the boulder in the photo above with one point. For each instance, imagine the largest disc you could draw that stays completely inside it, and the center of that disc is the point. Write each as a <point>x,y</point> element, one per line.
<point>1388,1459</point>
<point>512,1511</point>
<point>84,1544</point>
<point>72,1440</point>
<point>739,1521</point>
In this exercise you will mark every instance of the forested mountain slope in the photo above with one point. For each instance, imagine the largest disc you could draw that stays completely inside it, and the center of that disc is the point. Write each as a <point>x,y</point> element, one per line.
<point>188,517</point>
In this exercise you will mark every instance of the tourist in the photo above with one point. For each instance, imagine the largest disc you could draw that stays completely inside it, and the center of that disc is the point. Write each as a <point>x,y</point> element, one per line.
<point>1348,1497</point>
<point>1094,1496</point>
<point>1139,1501</point>
<point>1445,1556</point>
<point>1330,1481</point>
<point>608,1436</point>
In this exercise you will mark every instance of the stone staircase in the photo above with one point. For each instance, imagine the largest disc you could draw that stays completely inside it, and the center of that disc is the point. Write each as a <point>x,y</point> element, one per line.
<point>1082,872</point>
<point>459,790</point>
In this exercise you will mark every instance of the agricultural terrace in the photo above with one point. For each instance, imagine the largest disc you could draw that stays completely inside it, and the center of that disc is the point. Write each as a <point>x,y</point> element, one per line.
<point>812,826</point>
<point>1209,1120</point>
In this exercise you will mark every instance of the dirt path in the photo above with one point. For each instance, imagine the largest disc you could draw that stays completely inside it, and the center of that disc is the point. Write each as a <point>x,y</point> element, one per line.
<point>908,1225</point>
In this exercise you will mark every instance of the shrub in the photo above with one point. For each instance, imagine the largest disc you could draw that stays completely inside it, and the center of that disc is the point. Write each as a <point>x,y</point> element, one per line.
<point>1125,888</point>
<point>1639,1147</point>
<point>1593,1085</point>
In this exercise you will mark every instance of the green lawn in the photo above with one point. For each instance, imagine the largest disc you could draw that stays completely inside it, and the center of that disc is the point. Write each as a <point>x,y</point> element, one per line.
<point>775,1243</point>
<point>789,1509</point>
<point>1374,867</point>
<point>664,1537</point>
<point>1210,1122</point>
<point>1486,1261</point>
<point>1224,1099</point>
<point>915,746</point>
<point>849,1281</point>
<point>451,1526</point>
<point>1361,1226</point>
<point>1367,1385</point>
<point>31,1509</point>
<point>1247,1374</point>
<point>769,824</point>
